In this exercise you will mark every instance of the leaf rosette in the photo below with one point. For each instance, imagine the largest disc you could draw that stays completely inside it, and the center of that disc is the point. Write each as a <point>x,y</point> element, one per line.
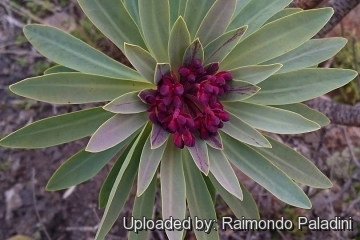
<point>206,77</point>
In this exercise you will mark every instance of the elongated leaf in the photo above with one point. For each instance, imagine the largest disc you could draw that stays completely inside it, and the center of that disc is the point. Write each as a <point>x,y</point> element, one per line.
<point>174,11</point>
<point>75,88</point>
<point>143,208</point>
<point>281,37</point>
<point>111,177</point>
<point>195,13</point>
<point>301,85</point>
<point>223,172</point>
<point>69,51</point>
<point>264,173</point>
<point>200,155</point>
<point>239,90</point>
<point>283,13</point>
<point>162,69</point>
<point>127,104</point>
<point>310,53</point>
<point>198,198</point>
<point>194,51</point>
<point>218,49</point>
<point>178,42</point>
<point>115,130</point>
<point>82,167</point>
<point>122,186</point>
<point>307,112</point>
<point>215,142</point>
<point>256,13</point>
<point>155,22</point>
<point>173,189</point>
<point>255,74</point>
<point>240,6</point>
<point>271,119</point>
<point>216,21</point>
<point>133,8</point>
<point>241,208</point>
<point>182,6</point>
<point>244,132</point>
<point>294,165</point>
<point>210,187</point>
<point>57,130</point>
<point>142,61</point>
<point>158,136</point>
<point>149,162</point>
<point>112,18</point>
<point>58,69</point>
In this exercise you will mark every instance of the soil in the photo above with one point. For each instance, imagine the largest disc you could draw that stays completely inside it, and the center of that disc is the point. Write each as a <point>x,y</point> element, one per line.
<point>27,209</point>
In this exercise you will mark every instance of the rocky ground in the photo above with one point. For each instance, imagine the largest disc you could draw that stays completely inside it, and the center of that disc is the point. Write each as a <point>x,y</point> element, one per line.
<point>27,209</point>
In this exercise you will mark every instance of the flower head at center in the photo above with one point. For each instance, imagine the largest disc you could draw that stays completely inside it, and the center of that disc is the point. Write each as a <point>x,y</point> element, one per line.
<point>188,105</point>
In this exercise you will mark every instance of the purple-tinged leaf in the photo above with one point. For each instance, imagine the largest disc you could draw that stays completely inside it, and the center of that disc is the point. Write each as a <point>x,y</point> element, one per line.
<point>161,70</point>
<point>243,132</point>
<point>200,155</point>
<point>216,20</point>
<point>239,90</point>
<point>215,142</point>
<point>224,173</point>
<point>194,51</point>
<point>144,94</point>
<point>115,130</point>
<point>127,104</point>
<point>158,136</point>
<point>217,50</point>
<point>149,162</point>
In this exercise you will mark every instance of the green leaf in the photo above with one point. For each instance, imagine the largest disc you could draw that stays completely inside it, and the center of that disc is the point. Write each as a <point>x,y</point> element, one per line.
<point>240,6</point>
<point>244,132</point>
<point>271,119</point>
<point>115,130</point>
<point>216,21</point>
<point>174,11</point>
<point>111,177</point>
<point>307,112</point>
<point>70,52</point>
<point>194,51</point>
<point>264,173</point>
<point>195,12</point>
<point>198,198</point>
<point>277,38</point>
<point>75,88</point>
<point>82,167</point>
<point>127,104</point>
<point>178,43</point>
<point>301,85</point>
<point>158,136</point>
<point>210,187</point>
<point>133,8</point>
<point>215,142</point>
<point>256,13</point>
<point>162,69</point>
<point>173,188</point>
<point>143,208</point>
<point>283,13</point>
<point>122,186</point>
<point>294,165</point>
<point>57,130</point>
<point>112,18</point>
<point>218,49</point>
<point>224,173</point>
<point>58,69</point>
<point>255,74</point>
<point>239,90</point>
<point>155,22</point>
<point>200,155</point>
<point>142,61</point>
<point>241,208</point>
<point>182,5</point>
<point>310,53</point>
<point>149,162</point>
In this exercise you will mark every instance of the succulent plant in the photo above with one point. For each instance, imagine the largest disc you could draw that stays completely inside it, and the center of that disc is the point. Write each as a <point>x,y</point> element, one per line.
<point>208,76</point>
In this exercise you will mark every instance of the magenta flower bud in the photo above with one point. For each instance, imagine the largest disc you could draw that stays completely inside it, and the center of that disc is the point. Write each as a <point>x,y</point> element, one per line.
<point>204,134</point>
<point>212,68</point>
<point>227,76</point>
<point>178,142</point>
<point>220,81</point>
<point>167,101</point>
<point>177,102</point>
<point>224,116</point>
<point>227,88</point>
<point>204,98</point>
<point>179,89</point>
<point>181,120</point>
<point>196,63</point>
<point>191,78</point>
<point>162,107</point>
<point>172,126</point>
<point>208,88</point>
<point>184,72</point>
<point>153,118</point>
<point>189,139</point>
<point>190,123</point>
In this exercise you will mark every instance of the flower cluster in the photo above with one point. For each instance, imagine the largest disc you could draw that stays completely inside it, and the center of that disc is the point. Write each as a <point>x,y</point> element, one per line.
<point>187,103</point>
